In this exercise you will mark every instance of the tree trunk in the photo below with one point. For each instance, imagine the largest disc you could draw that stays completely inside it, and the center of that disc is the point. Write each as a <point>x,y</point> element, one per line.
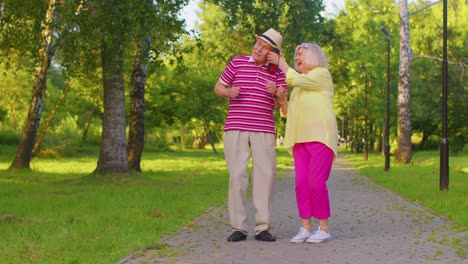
<point>136,137</point>
<point>371,138</point>
<point>211,138</point>
<point>182,136</point>
<point>113,149</point>
<point>404,152</point>
<point>424,139</point>
<point>382,140</point>
<point>25,146</point>
<point>88,124</point>
<point>52,114</point>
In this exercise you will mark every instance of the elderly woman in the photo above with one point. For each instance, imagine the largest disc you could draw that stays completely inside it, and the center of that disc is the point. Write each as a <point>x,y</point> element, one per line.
<point>311,135</point>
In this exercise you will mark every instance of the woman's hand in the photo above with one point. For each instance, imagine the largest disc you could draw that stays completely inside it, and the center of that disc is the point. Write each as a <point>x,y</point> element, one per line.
<point>281,95</point>
<point>273,58</point>
<point>282,101</point>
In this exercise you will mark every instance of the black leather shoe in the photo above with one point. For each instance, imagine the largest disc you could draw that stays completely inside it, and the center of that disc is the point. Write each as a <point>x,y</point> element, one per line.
<point>265,236</point>
<point>236,236</point>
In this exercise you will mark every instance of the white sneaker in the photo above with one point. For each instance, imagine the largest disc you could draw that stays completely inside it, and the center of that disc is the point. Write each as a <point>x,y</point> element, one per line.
<point>301,236</point>
<point>318,237</point>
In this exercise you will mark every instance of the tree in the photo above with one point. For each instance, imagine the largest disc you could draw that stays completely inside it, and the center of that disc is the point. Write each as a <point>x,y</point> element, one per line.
<point>161,21</point>
<point>46,52</point>
<point>404,151</point>
<point>136,135</point>
<point>113,154</point>
<point>297,21</point>
<point>351,39</point>
<point>428,50</point>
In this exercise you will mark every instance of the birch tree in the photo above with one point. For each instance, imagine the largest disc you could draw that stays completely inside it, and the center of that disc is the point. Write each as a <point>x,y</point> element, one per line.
<point>404,151</point>
<point>161,20</point>
<point>136,134</point>
<point>46,52</point>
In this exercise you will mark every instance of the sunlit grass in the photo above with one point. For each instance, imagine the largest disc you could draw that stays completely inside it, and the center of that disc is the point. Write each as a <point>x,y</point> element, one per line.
<point>59,213</point>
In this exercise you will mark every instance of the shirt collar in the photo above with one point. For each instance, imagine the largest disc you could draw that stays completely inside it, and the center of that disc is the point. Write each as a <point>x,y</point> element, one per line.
<point>253,61</point>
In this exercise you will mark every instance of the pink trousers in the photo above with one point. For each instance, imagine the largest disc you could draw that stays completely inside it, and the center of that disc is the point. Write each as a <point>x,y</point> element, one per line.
<point>312,162</point>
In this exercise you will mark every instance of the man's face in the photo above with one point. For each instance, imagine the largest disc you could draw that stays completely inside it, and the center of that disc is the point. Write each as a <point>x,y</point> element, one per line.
<point>260,51</point>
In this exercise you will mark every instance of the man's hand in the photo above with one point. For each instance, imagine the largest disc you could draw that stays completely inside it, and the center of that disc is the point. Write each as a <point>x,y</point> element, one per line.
<point>271,88</point>
<point>233,92</point>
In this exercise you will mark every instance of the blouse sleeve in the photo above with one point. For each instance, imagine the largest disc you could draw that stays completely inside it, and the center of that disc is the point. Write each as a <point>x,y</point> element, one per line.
<point>314,80</point>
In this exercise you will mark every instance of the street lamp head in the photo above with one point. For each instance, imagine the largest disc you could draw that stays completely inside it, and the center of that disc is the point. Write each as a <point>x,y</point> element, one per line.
<point>385,31</point>
<point>363,68</point>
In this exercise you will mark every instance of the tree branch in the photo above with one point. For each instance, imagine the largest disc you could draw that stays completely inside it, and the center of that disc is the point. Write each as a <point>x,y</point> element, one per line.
<point>460,63</point>
<point>424,8</point>
<point>439,59</point>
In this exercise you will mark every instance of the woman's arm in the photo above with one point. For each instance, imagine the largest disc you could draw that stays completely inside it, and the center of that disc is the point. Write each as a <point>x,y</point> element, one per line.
<point>276,58</point>
<point>317,79</point>
<point>281,101</point>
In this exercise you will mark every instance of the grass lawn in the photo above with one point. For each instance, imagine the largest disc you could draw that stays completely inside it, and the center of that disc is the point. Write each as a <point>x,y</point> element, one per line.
<point>58,213</point>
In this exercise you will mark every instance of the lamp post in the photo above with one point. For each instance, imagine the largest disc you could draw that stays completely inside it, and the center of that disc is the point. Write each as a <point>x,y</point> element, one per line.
<point>387,112</point>
<point>366,113</point>
<point>356,134</point>
<point>444,144</point>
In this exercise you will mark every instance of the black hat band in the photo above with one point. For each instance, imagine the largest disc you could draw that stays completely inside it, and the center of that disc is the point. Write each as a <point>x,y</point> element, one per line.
<point>269,39</point>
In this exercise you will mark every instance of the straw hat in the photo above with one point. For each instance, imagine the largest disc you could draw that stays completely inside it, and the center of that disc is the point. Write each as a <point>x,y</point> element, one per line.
<point>272,37</point>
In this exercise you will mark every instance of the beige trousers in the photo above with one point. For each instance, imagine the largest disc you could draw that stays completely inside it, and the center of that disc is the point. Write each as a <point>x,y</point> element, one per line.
<point>239,147</point>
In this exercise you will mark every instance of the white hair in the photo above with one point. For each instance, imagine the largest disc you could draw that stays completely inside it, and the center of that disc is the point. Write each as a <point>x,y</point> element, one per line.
<point>315,56</point>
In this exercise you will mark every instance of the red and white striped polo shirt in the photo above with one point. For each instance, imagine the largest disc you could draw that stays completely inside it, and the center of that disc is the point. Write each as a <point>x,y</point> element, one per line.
<point>253,109</point>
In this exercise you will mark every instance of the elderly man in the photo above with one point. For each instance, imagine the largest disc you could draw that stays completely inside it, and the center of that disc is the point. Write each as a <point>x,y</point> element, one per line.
<point>250,82</point>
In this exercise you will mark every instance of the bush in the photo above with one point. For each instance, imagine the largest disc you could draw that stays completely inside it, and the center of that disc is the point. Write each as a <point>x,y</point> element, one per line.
<point>8,137</point>
<point>157,140</point>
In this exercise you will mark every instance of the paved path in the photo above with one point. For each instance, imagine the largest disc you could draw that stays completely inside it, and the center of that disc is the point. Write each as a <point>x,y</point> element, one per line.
<point>369,224</point>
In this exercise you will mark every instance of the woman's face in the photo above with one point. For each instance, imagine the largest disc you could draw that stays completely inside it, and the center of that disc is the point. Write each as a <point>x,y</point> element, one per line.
<point>301,60</point>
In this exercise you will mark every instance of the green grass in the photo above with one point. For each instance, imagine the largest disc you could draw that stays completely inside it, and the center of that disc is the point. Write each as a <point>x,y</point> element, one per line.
<point>419,181</point>
<point>57,213</point>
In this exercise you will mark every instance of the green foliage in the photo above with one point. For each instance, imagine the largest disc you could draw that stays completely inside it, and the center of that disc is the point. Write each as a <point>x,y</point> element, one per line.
<point>14,96</point>
<point>157,139</point>
<point>184,68</point>
<point>298,21</point>
<point>20,37</point>
<point>354,38</point>
<point>357,40</point>
<point>8,137</point>
<point>426,73</point>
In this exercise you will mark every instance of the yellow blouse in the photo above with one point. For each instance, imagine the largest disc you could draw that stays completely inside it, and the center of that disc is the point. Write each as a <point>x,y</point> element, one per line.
<point>310,115</point>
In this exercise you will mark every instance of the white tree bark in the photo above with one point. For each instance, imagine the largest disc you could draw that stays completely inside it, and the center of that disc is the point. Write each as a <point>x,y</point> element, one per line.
<point>25,147</point>
<point>404,152</point>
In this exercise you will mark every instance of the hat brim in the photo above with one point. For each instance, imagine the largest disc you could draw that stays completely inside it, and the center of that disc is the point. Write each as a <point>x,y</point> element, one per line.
<point>267,40</point>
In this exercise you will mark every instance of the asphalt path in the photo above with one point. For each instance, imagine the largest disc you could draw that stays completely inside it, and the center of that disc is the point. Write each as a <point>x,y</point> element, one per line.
<point>369,224</point>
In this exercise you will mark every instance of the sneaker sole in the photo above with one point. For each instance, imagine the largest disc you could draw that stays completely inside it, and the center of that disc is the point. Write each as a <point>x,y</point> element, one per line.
<point>297,241</point>
<point>317,241</point>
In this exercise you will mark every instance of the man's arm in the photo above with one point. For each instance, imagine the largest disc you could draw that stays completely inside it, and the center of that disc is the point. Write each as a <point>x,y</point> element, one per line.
<point>222,90</point>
